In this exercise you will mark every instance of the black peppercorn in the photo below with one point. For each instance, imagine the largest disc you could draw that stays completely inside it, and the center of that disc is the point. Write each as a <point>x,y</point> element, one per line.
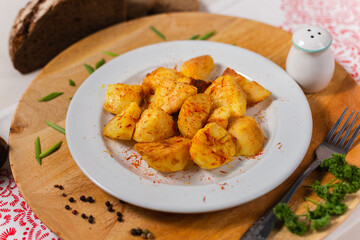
<point>67,207</point>
<point>90,199</point>
<point>71,199</point>
<point>61,187</point>
<point>110,209</point>
<point>139,231</point>
<point>83,198</point>
<point>83,216</point>
<point>56,186</point>
<point>119,214</point>
<point>134,232</point>
<point>64,195</point>
<point>91,219</point>
<point>120,219</point>
<point>107,203</point>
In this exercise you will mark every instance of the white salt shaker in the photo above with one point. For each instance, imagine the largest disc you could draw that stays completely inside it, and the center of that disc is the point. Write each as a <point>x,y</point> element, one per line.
<point>310,61</point>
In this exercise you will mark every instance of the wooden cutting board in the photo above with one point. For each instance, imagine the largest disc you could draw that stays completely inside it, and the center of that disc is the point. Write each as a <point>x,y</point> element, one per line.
<point>36,182</point>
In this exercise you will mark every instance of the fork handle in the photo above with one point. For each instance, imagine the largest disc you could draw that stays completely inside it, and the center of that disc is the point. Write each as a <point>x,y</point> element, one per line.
<point>261,229</point>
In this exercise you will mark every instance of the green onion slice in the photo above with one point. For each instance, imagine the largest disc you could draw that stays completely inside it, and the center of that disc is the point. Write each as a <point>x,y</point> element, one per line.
<point>50,150</point>
<point>157,32</point>
<point>100,63</point>
<point>50,96</point>
<point>56,127</point>
<point>72,83</point>
<point>37,150</point>
<point>89,68</point>
<point>111,54</point>
<point>207,35</point>
<point>194,37</point>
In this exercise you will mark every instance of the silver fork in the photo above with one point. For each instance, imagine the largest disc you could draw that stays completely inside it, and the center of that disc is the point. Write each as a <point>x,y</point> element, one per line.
<point>262,227</point>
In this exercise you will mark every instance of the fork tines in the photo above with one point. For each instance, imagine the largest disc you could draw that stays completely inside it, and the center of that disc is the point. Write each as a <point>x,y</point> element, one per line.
<point>341,144</point>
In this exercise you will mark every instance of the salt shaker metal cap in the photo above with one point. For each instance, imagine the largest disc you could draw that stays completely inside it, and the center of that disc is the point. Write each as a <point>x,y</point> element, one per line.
<point>310,61</point>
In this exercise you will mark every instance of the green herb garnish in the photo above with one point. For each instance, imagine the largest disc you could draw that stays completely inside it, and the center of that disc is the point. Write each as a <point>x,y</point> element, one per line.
<point>347,181</point>
<point>89,68</point>
<point>207,35</point>
<point>37,150</point>
<point>194,37</point>
<point>72,83</point>
<point>70,98</point>
<point>50,96</point>
<point>50,150</point>
<point>111,54</point>
<point>100,63</point>
<point>157,32</point>
<point>56,127</point>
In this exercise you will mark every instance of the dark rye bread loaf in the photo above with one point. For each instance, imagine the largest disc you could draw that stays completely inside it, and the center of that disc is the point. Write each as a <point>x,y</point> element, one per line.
<point>46,27</point>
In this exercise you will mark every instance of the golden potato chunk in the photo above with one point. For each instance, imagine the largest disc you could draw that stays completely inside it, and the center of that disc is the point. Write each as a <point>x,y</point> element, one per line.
<point>193,114</point>
<point>119,95</point>
<point>226,92</point>
<point>201,85</point>
<point>220,116</point>
<point>255,92</point>
<point>249,136</point>
<point>154,125</point>
<point>212,147</point>
<point>153,79</point>
<point>122,126</point>
<point>170,155</point>
<point>198,68</point>
<point>170,96</point>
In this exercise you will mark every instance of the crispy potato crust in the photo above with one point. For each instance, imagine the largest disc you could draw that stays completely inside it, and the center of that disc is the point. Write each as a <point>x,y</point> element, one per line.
<point>170,155</point>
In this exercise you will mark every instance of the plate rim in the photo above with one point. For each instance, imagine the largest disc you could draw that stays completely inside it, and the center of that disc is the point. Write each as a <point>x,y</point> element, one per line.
<point>189,210</point>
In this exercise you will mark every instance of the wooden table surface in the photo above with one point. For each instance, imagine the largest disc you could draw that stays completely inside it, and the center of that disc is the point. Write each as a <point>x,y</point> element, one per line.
<point>36,182</point>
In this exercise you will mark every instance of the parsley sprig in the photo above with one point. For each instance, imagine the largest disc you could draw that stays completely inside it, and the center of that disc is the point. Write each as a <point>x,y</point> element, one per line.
<point>347,181</point>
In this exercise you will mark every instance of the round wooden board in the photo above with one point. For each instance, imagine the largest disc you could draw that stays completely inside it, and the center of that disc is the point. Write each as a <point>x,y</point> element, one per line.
<point>36,182</point>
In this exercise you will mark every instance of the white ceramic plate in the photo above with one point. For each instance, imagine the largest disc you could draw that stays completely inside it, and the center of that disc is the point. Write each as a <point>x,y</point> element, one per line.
<point>115,167</point>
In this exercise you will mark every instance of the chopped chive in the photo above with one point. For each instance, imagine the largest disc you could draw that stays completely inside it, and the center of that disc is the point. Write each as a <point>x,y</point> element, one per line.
<point>50,96</point>
<point>194,37</point>
<point>50,150</point>
<point>70,98</point>
<point>207,35</point>
<point>157,32</point>
<point>111,54</point>
<point>72,83</point>
<point>37,150</point>
<point>100,63</point>
<point>89,68</point>
<point>56,127</point>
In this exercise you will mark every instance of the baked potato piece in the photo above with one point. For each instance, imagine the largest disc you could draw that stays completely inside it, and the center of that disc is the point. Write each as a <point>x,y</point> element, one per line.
<point>201,85</point>
<point>198,67</point>
<point>159,75</point>
<point>220,116</point>
<point>170,96</point>
<point>193,114</point>
<point>212,147</point>
<point>122,126</point>
<point>119,95</point>
<point>169,155</point>
<point>226,92</point>
<point>250,138</point>
<point>154,125</point>
<point>255,92</point>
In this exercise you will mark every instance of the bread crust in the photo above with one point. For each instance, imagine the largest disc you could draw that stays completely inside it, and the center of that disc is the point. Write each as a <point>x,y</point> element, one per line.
<point>46,27</point>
